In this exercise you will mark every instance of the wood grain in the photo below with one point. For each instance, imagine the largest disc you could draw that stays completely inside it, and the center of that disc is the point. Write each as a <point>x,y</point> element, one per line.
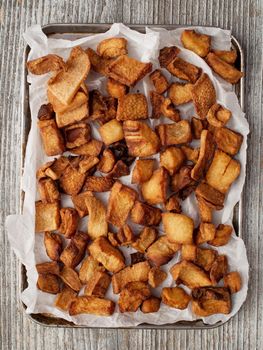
<point>244,18</point>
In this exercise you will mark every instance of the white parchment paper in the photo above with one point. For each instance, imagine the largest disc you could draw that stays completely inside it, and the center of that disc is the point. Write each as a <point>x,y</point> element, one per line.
<point>29,246</point>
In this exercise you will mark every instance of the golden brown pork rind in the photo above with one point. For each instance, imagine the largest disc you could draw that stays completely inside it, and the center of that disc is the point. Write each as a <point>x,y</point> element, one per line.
<point>150,305</point>
<point>78,100</point>
<point>184,70</point>
<point>73,116</point>
<point>110,257</point>
<point>71,278</point>
<point>228,140</point>
<point>48,191</point>
<point>180,93</point>
<point>111,132</point>
<point>145,238</point>
<point>120,169</point>
<point>112,47</point>
<point>98,284</point>
<point>97,105</point>
<point>159,81</point>
<point>46,64</point>
<point>175,297</point>
<point>54,245</point>
<point>132,296</point>
<point>190,153</point>
<point>98,184</point>
<point>80,204</point>
<point>233,282</point>
<point>107,161</point>
<point>132,107</point>
<point>65,298</point>
<point>182,183</point>
<point>205,258</point>
<point>55,169</point>
<point>175,133</point>
<point>74,252</point>
<point>51,136</point>
<point>168,110</point>
<point>205,233</point>
<point>92,148</point>
<point>227,56</point>
<point>218,269</point>
<point>156,277</point>
<point>203,95</point>
<point>167,55</point>
<point>98,63</point>
<point>156,101</point>
<point>142,170</point>
<point>197,127</point>
<point>88,268</point>
<point>50,267</point>
<point>97,223</point>
<point>48,283</point>
<point>162,251</point>
<point>154,191</point>
<point>69,221</point>
<point>173,204</point>
<point>47,216</point>
<point>178,228</point>
<point>72,180</point>
<point>189,252</point>
<point>77,135</point>
<point>218,116</point>
<point>213,198</point>
<point>172,159</point>
<point>222,68</point>
<point>124,236</point>
<point>146,215</point>
<point>205,211</point>
<point>91,305</point>
<point>116,89</point>
<point>196,42</point>
<point>222,235</point>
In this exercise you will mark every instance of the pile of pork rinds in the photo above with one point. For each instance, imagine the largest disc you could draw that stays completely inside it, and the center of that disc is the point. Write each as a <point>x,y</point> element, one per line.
<point>92,259</point>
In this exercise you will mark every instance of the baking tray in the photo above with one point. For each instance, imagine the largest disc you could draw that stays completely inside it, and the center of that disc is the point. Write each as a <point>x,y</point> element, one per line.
<point>80,30</point>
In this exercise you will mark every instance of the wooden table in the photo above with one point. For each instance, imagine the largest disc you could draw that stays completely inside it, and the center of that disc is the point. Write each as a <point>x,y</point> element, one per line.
<point>244,18</point>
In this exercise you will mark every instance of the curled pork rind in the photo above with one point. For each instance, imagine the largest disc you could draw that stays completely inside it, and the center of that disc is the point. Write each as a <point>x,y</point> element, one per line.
<point>112,47</point>
<point>218,116</point>
<point>46,64</point>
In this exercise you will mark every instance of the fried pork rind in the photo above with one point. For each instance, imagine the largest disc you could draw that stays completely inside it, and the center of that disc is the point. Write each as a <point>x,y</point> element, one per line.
<point>218,116</point>
<point>67,82</point>
<point>227,56</point>
<point>116,89</point>
<point>132,296</point>
<point>212,197</point>
<point>178,228</point>
<point>154,191</point>
<point>218,269</point>
<point>172,159</point>
<point>190,153</point>
<point>132,107</point>
<point>233,282</point>
<point>208,301</point>
<point>137,257</point>
<point>189,274</point>
<point>107,161</point>
<point>79,100</point>
<point>48,283</point>
<point>72,180</point>
<point>172,204</point>
<point>77,135</point>
<point>162,251</point>
<point>141,140</point>
<point>120,203</point>
<point>98,284</point>
<point>205,258</point>
<point>87,163</point>
<point>54,245</point>
<point>111,132</point>
<point>156,101</point>
<point>97,223</point>
<point>97,105</point>
<point>159,81</point>
<point>150,305</point>
<point>167,55</point>
<point>205,233</point>
<point>52,268</point>
<point>222,235</point>
<point>54,169</point>
<point>182,183</point>
<point>169,111</point>
<point>105,114</point>
<point>48,190</point>
<point>175,133</point>
<point>206,153</point>
<point>180,93</point>
<point>203,95</point>
<point>127,70</point>
<point>146,215</point>
<point>189,252</point>
<point>146,237</point>
<point>197,127</point>
<point>121,152</point>
<point>196,42</point>
<point>91,305</point>
<point>142,170</point>
<point>120,169</point>
<point>136,272</point>
<point>111,258</point>
<point>112,47</point>
<point>205,211</point>
<point>46,64</point>
<point>98,63</point>
<point>175,297</point>
<point>89,268</point>
<point>222,172</point>
<point>184,70</point>
<point>71,278</point>
<point>124,236</point>
<point>92,148</point>
<point>156,276</point>
<point>65,298</point>
<point>47,216</point>
<point>72,116</point>
<point>228,141</point>
<point>51,136</point>
<point>98,184</point>
<point>75,250</point>
<point>79,203</point>
<point>222,68</point>
<point>69,221</point>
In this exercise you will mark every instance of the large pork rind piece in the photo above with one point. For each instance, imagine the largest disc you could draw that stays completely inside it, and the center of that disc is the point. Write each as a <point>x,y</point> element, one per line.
<point>80,204</point>
<point>144,214</point>
<point>222,172</point>
<point>69,221</point>
<point>233,282</point>
<point>121,201</point>
<point>54,245</point>
<point>53,169</point>
<point>92,148</point>
<point>111,132</point>
<point>175,297</point>
<point>159,81</point>
<point>196,42</point>
<point>46,64</point>
<point>175,133</point>
<point>72,116</point>
<point>180,93</point>
<point>150,305</point>
<point>112,47</point>
<point>205,211</point>
<point>98,63</point>
<point>154,191</point>
<point>145,238</point>
<point>222,235</point>
<point>178,228</point>
<point>203,95</point>
<point>88,268</point>
<point>156,276</point>
<point>132,296</point>
<point>71,180</point>
<point>110,257</point>
<point>162,251</point>
<point>48,190</point>
<point>136,272</point>
<point>218,269</point>
<point>77,135</point>
<point>67,82</point>
<point>212,197</point>
<point>98,184</point>
<point>52,138</point>
<point>167,55</point>
<point>116,89</point>
<point>228,141</point>
<point>71,278</point>
<point>74,252</point>
<point>107,161</point>
<point>227,56</point>
<point>142,170</point>
<point>184,70</point>
<point>48,283</point>
<point>172,159</point>
<point>91,305</point>
<point>97,223</point>
<point>205,233</point>
<point>127,70</point>
<point>65,298</point>
<point>98,284</point>
<point>50,267</point>
<point>132,107</point>
<point>47,216</point>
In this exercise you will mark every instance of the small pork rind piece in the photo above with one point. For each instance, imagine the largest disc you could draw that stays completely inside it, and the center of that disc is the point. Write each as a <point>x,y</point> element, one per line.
<point>89,267</point>
<point>137,257</point>
<point>91,305</point>
<point>120,169</point>
<point>184,70</point>
<point>69,221</point>
<point>168,110</point>
<point>180,93</point>
<point>97,223</point>
<point>189,274</point>
<point>172,159</point>
<point>213,198</point>
<point>228,140</point>
<point>48,191</point>
<point>205,233</point>
<point>222,172</point>
<point>120,203</point>
<point>106,162</point>
<point>208,301</point>
<point>71,278</point>
<point>175,133</point>
<point>111,258</point>
<point>233,282</point>
<point>127,70</point>
<point>46,64</point>
<point>190,153</point>
<point>205,211</point>
<point>48,283</point>
<point>196,42</point>
<point>189,252</point>
<point>175,297</point>
<point>227,56</point>
<point>197,127</point>
<point>162,251</point>
<point>72,116</point>
<point>79,203</point>
<point>115,88</point>
<point>172,204</point>
<point>112,47</point>
<point>222,68</point>
<point>132,107</point>
<point>51,136</point>
<point>218,116</point>
<point>136,272</point>
<point>92,148</point>
<point>50,267</point>
<point>222,235</point>
<point>156,101</point>
<point>205,258</point>
<point>97,105</point>
<point>203,95</point>
<point>145,238</point>
<point>178,228</point>
<point>98,184</point>
<point>156,276</point>
<point>146,215</point>
<point>132,296</point>
<point>182,183</point>
<point>150,305</point>
<point>75,250</point>
<point>47,216</point>
<point>206,153</point>
<point>77,135</point>
<point>125,236</point>
<point>154,191</point>
<point>98,63</point>
<point>159,81</point>
<point>72,180</point>
<point>65,298</point>
<point>142,170</point>
<point>98,284</point>
<point>167,55</point>
<point>141,140</point>
<point>54,245</point>
<point>54,169</point>
<point>111,132</point>
<point>78,100</point>
<point>87,163</point>
<point>218,269</point>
